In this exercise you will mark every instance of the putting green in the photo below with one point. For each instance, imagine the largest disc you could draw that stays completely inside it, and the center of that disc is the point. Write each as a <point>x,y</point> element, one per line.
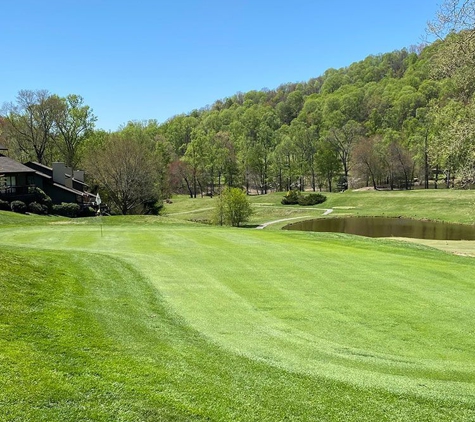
<point>372,313</point>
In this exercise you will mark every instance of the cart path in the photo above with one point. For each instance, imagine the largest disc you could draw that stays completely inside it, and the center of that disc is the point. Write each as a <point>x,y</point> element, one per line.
<point>263,226</point>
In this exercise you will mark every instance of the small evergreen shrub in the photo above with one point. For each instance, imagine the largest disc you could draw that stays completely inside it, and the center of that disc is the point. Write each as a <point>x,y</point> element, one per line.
<point>312,199</point>
<point>153,208</point>
<point>87,212</point>
<point>41,198</point>
<point>70,210</point>
<point>37,208</point>
<point>294,197</point>
<point>291,198</point>
<point>4,206</point>
<point>18,206</point>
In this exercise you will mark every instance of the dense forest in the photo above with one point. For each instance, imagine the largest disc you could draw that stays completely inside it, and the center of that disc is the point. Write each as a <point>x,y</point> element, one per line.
<point>398,120</point>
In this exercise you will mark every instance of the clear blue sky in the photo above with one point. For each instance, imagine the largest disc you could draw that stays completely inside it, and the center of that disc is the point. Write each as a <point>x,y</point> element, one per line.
<point>153,59</point>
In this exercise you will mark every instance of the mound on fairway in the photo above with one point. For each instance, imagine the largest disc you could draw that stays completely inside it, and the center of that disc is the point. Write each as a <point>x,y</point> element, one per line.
<point>181,322</point>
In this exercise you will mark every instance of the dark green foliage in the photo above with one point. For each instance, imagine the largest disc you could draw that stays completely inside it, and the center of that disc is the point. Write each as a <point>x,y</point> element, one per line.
<point>66,209</point>
<point>153,208</point>
<point>4,205</point>
<point>18,206</point>
<point>41,198</point>
<point>291,198</point>
<point>87,212</point>
<point>312,199</point>
<point>294,197</point>
<point>36,208</point>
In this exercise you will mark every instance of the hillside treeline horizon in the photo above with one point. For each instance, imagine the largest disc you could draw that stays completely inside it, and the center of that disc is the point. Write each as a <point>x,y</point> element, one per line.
<point>395,120</point>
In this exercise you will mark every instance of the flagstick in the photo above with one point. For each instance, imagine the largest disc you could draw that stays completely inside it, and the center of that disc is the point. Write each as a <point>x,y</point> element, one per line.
<point>98,203</point>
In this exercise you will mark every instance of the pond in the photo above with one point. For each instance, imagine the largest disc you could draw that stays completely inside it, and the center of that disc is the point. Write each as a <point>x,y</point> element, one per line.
<point>388,227</point>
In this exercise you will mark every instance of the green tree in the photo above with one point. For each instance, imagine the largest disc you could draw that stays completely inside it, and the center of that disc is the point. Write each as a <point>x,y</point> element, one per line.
<point>74,122</point>
<point>195,159</point>
<point>327,163</point>
<point>453,145</point>
<point>233,207</point>
<point>284,160</point>
<point>343,140</point>
<point>455,58</point>
<point>305,146</point>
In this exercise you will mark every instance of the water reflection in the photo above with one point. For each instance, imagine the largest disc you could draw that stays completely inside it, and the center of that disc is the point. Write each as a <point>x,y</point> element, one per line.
<point>388,227</point>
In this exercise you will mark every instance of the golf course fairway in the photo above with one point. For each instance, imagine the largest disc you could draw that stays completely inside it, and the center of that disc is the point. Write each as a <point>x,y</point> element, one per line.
<point>175,321</point>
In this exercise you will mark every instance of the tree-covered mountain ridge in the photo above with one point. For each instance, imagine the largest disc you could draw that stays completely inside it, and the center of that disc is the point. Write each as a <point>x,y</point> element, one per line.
<point>385,121</point>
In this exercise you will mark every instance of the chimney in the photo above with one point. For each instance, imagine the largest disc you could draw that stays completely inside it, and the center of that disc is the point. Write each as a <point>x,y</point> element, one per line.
<point>79,175</point>
<point>69,177</point>
<point>59,173</point>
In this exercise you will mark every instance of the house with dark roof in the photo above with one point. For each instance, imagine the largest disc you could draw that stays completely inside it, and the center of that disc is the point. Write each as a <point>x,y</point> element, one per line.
<point>15,179</point>
<point>59,182</point>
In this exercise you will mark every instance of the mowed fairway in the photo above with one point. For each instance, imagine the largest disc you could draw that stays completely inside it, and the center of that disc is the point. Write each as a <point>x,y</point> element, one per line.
<point>160,321</point>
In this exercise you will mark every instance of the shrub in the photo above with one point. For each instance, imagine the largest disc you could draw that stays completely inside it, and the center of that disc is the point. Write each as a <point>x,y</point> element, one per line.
<point>153,207</point>
<point>87,212</point>
<point>312,199</point>
<point>66,209</point>
<point>294,197</point>
<point>233,208</point>
<point>37,208</point>
<point>4,206</point>
<point>291,198</point>
<point>41,198</point>
<point>18,206</point>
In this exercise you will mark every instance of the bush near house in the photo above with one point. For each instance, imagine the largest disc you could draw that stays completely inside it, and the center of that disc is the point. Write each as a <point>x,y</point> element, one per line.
<point>41,198</point>
<point>37,208</point>
<point>87,212</point>
<point>66,209</point>
<point>4,205</point>
<point>18,206</point>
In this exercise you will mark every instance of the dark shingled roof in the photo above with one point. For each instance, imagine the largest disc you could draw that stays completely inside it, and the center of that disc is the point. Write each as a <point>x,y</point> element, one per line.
<point>7,166</point>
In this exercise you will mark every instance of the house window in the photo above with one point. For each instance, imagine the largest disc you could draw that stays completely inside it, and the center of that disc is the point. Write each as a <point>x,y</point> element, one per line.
<point>3,183</point>
<point>10,184</point>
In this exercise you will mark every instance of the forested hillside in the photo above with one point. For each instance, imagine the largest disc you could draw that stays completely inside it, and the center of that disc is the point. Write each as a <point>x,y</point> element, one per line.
<point>386,121</point>
<point>397,120</point>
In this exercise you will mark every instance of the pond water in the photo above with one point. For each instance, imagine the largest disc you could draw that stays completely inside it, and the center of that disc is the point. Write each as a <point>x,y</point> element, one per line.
<point>388,227</point>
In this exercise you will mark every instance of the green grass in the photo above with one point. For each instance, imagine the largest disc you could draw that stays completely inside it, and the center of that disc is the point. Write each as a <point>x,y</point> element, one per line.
<point>143,318</point>
<point>441,204</point>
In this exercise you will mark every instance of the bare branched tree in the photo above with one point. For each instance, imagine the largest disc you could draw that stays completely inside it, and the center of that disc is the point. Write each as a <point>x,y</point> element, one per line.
<point>126,170</point>
<point>30,122</point>
<point>453,16</point>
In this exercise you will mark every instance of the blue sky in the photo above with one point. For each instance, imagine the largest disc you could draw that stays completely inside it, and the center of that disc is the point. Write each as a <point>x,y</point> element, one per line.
<point>146,59</point>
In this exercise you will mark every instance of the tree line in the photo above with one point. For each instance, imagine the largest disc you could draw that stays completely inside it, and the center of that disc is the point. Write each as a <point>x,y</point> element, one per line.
<point>389,121</point>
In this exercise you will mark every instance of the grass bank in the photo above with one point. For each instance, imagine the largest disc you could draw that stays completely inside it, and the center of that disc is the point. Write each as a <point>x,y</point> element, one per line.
<point>436,204</point>
<point>158,319</point>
